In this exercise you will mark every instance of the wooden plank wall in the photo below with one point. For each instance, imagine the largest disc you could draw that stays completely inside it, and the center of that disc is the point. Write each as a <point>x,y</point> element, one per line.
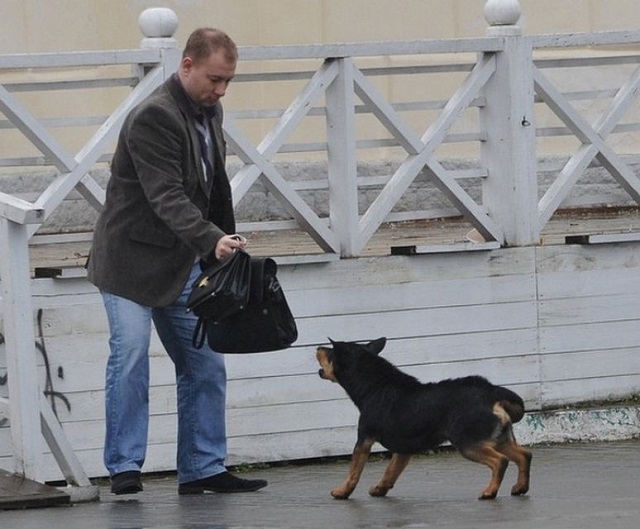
<point>559,324</point>
<point>589,311</point>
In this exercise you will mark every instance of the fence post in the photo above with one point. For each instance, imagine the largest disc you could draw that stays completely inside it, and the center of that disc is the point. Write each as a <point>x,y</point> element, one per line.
<point>158,25</point>
<point>342,163</point>
<point>24,393</point>
<point>510,192</point>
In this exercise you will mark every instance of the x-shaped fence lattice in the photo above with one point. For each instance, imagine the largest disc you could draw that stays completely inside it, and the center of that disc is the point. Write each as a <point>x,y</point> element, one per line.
<point>420,152</point>
<point>593,139</point>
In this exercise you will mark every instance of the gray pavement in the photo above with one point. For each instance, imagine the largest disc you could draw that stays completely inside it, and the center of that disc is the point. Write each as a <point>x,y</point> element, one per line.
<point>574,486</point>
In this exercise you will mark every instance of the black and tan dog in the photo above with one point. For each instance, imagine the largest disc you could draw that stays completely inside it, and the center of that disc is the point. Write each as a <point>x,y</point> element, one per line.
<point>408,417</point>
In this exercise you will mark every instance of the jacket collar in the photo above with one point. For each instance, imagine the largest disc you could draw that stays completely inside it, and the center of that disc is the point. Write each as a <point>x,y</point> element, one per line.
<point>177,90</point>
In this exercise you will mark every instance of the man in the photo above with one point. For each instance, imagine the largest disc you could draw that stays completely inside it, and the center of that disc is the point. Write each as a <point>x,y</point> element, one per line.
<point>168,207</point>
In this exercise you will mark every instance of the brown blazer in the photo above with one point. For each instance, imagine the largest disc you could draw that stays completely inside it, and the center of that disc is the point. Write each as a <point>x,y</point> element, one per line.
<point>158,215</point>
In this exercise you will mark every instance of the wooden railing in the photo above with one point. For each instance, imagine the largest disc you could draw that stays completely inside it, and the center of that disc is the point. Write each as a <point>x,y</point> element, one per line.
<point>499,97</point>
<point>341,106</point>
<point>341,112</point>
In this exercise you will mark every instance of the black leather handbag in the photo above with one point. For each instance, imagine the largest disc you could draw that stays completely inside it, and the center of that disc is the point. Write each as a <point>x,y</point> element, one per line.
<point>222,288</point>
<point>264,323</point>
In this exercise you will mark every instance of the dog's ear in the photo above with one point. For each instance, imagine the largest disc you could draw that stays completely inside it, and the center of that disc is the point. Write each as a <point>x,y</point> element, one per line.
<point>375,346</point>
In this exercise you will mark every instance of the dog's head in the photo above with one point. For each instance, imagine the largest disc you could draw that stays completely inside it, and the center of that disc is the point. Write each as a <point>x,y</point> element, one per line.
<point>343,355</point>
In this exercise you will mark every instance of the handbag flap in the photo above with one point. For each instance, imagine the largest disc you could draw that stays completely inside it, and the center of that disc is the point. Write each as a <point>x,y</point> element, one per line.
<point>222,288</point>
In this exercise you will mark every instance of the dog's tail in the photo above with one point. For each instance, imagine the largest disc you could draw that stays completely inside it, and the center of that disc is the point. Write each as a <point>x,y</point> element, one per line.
<point>511,402</point>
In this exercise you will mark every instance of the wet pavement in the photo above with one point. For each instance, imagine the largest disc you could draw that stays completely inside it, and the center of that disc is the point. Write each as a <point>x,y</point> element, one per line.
<point>574,486</point>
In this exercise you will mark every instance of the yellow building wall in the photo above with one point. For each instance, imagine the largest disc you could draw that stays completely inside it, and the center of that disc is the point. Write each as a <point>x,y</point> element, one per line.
<point>31,26</point>
<point>35,26</point>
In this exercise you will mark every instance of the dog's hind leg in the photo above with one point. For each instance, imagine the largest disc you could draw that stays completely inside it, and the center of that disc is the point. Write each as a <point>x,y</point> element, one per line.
<point>486,454</point>
<point>391,474</point>
<point>506,444</point>
<point>358,461</point>
<point>522,458</point>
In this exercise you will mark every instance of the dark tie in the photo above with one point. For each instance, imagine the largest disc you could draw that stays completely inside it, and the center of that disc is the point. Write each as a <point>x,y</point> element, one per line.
<point>206,147</point>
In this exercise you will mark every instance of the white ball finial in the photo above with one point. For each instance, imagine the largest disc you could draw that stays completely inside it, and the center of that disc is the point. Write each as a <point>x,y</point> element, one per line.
<point>502,12</point>
<point>158,22</point>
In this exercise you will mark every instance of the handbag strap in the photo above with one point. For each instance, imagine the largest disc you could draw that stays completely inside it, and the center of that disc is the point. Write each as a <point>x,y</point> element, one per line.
<point>257,281</point>
<point>199,333</point>
<point>263,269</point>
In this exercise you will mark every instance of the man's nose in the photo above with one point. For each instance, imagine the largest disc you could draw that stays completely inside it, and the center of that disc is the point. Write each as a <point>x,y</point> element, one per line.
<point>220,88</point>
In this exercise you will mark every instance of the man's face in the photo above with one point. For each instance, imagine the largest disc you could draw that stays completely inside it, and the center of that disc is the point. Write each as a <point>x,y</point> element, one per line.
<point>206,81</point>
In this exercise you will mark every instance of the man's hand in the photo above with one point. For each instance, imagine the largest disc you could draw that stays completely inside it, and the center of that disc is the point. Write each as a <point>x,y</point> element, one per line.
<point>228,244</point>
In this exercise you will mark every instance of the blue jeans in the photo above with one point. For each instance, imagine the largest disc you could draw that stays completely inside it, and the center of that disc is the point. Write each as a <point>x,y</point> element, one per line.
<point>201,388</point>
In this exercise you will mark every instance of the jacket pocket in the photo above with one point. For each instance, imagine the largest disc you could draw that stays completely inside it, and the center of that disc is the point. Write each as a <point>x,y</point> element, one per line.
<point>155,237</point>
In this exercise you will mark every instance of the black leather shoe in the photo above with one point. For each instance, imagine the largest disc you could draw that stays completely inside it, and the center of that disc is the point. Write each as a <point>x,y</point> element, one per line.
<point>126,483</point>
<point>224,482</point>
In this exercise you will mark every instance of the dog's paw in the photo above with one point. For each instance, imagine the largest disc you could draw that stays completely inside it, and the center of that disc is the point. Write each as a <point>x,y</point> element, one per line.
<point>488,495</point>
<point>378,492</point>
<point>519,490</point>
<point>340,493</point>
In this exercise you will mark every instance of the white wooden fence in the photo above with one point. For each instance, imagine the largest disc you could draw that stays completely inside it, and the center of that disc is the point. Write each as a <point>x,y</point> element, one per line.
<point>500,89</point>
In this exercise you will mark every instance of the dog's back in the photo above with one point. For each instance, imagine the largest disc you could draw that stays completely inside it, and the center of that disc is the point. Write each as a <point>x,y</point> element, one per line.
<point>478,390</point>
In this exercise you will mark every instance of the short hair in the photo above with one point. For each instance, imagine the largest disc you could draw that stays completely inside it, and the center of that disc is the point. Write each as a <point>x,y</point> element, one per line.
<point>205,41</point>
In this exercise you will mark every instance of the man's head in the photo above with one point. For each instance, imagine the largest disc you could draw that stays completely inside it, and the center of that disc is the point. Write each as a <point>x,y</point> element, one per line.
<point>208,64</point>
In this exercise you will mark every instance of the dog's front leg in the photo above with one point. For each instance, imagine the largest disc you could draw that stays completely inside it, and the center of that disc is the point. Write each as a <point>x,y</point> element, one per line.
<point>391,474</point>
<point>358,460</point>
